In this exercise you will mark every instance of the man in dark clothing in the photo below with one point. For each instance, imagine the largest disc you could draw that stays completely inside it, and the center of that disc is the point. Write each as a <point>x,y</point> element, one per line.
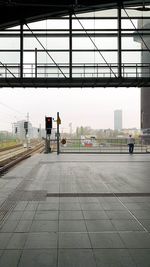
<point>131,143</point>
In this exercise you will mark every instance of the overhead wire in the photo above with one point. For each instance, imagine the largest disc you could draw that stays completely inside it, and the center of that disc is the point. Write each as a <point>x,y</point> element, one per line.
<point>11,108</point>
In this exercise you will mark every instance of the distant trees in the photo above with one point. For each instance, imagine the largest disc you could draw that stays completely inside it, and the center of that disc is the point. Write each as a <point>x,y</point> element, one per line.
<point>4,135</point>
<point>83,131</point>
<point>98,133</point>
<point>87,131</point>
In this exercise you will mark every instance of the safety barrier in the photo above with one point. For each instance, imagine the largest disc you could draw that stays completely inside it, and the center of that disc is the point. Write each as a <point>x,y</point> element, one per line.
<point>109,145</point>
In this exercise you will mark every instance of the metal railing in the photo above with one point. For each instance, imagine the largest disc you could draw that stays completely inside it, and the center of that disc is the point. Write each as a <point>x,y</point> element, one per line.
<point>109,145</point>
<point>79,70</point>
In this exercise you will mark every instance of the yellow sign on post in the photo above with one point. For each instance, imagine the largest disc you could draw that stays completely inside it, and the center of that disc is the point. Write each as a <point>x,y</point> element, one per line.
<point>59,120</point>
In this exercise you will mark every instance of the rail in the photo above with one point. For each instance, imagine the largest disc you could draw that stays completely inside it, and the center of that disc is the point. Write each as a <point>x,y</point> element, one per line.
<point>6,154</point>
<point>109,145</point>
<point>79,70</point>
<point>11,161</point>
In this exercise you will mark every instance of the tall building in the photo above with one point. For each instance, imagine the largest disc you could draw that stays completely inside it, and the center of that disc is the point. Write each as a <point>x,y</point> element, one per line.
<point>19,131</point>
<point>118,119</point>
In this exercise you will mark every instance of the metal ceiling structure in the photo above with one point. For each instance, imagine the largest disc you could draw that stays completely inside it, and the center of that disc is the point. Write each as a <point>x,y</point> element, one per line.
<point>61,66</point>
<point>12,12</point>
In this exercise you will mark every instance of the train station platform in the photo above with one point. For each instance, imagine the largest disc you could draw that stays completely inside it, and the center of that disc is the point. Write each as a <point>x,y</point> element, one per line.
<point>76,211</point>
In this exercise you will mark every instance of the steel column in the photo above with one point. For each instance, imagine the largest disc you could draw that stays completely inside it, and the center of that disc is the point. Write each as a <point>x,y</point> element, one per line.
<point>58,134</point>
<point>70,46</point>
<point>35,62</point>
<point>21,50</point>
<point>119,42</point>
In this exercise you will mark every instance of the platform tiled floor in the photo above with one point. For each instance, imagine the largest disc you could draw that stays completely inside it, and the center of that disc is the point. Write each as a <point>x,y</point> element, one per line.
<point>40,228</point>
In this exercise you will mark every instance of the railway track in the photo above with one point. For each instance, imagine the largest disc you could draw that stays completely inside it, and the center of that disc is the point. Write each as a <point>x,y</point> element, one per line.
<point>10,147</point>
<point>4,155</point>
<point>9,160</point>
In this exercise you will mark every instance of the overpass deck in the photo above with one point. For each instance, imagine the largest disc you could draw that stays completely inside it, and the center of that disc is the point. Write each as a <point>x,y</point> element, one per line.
<point>75,82</point>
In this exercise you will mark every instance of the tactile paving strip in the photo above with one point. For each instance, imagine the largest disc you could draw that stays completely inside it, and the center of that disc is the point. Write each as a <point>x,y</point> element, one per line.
<point>21,195</point>
<point>98,195</point>
<point>5,210</point>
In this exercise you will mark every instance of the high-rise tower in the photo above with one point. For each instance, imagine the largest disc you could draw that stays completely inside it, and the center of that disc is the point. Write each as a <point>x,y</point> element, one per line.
<point>118,119</point>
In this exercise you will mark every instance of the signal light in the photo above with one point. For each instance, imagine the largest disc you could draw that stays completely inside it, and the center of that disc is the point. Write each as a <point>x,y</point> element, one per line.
<point>48,124</point>
<point>26,126</point>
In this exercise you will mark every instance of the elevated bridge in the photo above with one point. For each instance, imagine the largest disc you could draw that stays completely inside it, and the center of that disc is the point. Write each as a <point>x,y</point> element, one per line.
<point>74,44</point>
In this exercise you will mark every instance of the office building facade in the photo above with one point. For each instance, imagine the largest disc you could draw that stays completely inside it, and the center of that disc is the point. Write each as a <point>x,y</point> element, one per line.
<point>118,119</point>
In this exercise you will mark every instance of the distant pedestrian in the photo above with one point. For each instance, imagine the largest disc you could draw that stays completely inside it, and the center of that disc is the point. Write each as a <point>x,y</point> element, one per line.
<point>131,143</point>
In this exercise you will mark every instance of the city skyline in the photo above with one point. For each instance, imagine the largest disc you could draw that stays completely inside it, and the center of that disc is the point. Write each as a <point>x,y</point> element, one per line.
<point>81,107</point>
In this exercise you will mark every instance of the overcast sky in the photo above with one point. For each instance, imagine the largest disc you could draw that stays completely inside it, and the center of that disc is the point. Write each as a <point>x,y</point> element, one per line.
<point>83,107</point>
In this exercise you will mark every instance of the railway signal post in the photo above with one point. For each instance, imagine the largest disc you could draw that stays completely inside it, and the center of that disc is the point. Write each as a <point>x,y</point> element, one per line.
<point>48,127</point>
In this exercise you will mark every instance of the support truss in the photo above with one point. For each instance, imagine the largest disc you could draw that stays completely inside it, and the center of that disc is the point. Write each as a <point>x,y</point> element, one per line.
<point>74,53</point>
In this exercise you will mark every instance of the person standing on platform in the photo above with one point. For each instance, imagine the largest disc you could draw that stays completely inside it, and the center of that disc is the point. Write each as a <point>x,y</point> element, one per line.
<point>131,143</point>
